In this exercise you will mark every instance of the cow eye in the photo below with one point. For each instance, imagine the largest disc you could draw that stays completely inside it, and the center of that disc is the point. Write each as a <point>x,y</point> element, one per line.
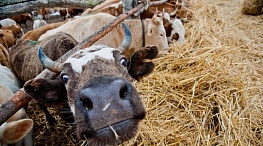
<point>124,62</point>
<point>64,77</point>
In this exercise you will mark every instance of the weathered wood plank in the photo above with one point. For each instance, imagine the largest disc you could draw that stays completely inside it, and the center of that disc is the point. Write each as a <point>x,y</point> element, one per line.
<point>9,2</point>
<point>19,8</point>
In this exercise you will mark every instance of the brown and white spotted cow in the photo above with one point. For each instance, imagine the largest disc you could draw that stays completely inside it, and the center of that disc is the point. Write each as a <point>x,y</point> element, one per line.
<point>98,84</point>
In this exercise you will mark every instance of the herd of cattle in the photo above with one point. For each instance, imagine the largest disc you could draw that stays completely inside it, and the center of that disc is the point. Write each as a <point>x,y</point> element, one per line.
<point>89,74</point>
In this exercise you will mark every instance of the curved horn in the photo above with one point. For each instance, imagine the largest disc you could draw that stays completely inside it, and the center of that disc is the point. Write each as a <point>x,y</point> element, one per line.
<point>48,63</point>
<point>126,43</point>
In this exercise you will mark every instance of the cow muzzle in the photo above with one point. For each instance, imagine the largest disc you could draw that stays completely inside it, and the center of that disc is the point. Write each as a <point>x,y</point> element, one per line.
<point>108,110</point>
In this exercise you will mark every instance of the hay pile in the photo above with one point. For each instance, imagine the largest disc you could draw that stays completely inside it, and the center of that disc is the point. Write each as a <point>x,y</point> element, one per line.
<point>206,91</point>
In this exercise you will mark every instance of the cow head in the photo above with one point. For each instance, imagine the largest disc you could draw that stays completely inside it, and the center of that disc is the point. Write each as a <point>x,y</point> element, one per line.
<point>177,31</point>
<point>97,82</point>
<point>156,27</point>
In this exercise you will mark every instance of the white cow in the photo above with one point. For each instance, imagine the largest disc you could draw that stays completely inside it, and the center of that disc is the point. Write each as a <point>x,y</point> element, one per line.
<point>177,30</point>
<point>39,23</point>
<point>7,22</point>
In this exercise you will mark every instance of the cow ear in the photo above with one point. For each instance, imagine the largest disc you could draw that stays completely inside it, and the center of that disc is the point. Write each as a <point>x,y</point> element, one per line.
<point>128,54</point>
<point>47,92</point>
<point>157,20</point>
<point>139,67</point>
<point>12,132</point>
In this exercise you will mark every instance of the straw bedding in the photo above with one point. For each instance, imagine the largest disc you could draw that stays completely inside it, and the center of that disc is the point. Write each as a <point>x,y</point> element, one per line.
<point>206,91</point>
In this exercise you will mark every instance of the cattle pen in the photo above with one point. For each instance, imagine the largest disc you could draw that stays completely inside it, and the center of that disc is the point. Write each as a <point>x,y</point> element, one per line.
<point>206,91</point>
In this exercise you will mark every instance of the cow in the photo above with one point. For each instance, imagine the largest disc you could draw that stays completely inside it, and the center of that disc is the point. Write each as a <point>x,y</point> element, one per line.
<point>41,13</point>
<point>151,31</point>
<point>69,12</point>
<point>172,33</point>
<point>7,22</point>
<point>22,19</point>
<point>4,56</point>
<point>25,64</point>
<point>17,130</point>
<point>98,84</point>
<point>34,35</point>
<point>9,37</point>
<point>44,12</point>
<point>39,23</point>
<point>177,31</point>
<point>2,40</point>
<point>16,29</point>
<point>176,8</point>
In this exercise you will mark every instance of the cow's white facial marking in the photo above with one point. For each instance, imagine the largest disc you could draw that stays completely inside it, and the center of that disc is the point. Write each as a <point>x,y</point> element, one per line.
<point>72,108</point>
<point>81,57</point>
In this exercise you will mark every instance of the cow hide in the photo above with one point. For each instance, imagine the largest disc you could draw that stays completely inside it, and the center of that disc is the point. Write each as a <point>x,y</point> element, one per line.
<point>19,54</point>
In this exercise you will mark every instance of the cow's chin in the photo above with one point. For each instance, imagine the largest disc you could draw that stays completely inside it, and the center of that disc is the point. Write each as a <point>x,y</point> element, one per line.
<point>114,134</point>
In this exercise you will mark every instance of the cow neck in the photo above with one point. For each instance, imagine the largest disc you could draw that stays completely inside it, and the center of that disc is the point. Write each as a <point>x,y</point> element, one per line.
<point>143,33</point>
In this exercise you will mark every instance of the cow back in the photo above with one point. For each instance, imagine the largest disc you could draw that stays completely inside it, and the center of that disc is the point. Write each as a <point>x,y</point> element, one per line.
<point>93,23</point>
<point>24,59</point>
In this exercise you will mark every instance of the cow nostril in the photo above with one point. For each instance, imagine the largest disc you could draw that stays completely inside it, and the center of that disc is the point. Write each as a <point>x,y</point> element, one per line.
<point>86,103</point>
<point>123,91</point>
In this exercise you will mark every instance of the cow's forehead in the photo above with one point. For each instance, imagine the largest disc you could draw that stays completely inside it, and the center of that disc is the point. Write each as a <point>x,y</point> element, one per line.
<point>82,57</point>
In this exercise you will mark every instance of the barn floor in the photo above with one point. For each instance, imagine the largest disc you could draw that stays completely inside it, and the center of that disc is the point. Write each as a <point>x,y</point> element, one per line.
<point>206,91</point>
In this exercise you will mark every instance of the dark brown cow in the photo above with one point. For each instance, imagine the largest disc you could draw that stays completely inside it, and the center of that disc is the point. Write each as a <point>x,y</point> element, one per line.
<point>97,82</point>
<point>22,19</point>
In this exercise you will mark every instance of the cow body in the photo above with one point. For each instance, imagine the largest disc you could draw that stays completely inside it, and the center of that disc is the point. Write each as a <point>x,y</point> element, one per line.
<point>177,31</point>
<point>4,56</point>
<point>7,22</point>
<point>24,61</point>
<point>22,19</point>
<point>17,129</point>
<point>97,83</point>
<point>9,37</point>
<point>16,29</point>
<point>26,65</point>
<point>154,31</point>
<point>69,12</point>
<point>39,23</point>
